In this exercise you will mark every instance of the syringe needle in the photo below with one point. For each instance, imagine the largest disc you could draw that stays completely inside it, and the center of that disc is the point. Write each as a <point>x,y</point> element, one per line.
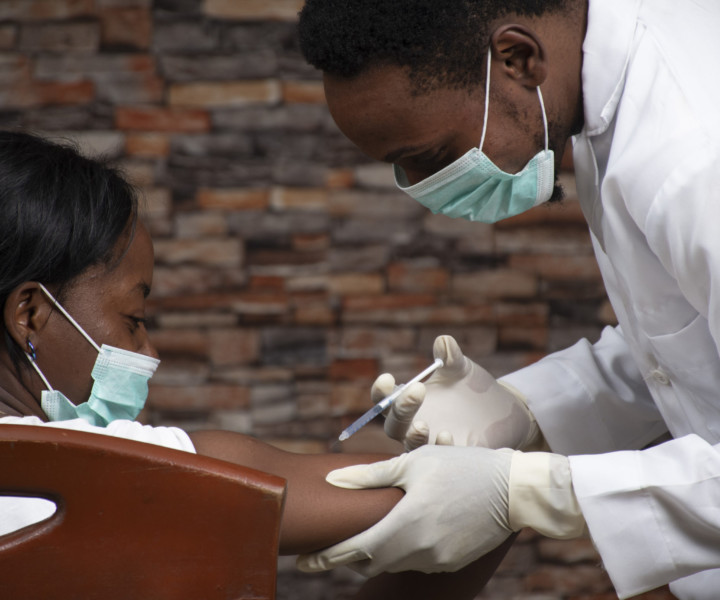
<point>387,401</point>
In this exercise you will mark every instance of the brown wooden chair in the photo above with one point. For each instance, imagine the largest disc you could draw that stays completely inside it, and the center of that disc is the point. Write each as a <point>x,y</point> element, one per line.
<point>135,521</point>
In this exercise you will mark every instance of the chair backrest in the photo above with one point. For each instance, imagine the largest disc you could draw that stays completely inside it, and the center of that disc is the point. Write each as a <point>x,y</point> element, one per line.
<point>135,521</point>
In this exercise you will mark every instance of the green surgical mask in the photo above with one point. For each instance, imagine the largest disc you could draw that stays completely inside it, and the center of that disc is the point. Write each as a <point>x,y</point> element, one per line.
<point>120,383</point>
<point>474,188</point>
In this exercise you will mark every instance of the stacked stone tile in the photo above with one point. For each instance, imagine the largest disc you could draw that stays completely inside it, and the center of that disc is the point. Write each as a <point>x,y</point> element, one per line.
<point>290,271</point>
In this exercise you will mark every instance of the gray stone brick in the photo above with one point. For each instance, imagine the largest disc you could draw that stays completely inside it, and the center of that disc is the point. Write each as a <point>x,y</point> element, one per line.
<point>187,36</point>
<point>257,64</point>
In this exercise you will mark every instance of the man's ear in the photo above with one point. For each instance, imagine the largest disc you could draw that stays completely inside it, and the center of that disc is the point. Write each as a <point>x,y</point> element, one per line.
<point>522,53</point>
<point>25,313</point>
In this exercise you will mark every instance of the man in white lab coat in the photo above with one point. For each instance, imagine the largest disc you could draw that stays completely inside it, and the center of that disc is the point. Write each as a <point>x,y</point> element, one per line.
<point>472,101</point>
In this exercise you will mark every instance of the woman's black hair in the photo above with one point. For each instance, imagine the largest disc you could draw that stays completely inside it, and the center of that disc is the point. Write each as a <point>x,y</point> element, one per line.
<point>440,42</point>
<point>60,213</point>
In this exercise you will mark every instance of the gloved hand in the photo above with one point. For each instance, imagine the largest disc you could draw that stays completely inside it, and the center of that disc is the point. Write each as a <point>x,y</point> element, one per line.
<point>455,509</point>
<point>459,504</point>
<point>463,405</point>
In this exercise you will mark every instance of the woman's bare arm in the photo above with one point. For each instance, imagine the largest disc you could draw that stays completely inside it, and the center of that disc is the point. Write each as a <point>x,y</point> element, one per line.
<point>318,515</point>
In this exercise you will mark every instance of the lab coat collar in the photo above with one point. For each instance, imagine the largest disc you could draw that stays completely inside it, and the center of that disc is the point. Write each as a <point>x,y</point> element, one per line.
<point>606,53</point>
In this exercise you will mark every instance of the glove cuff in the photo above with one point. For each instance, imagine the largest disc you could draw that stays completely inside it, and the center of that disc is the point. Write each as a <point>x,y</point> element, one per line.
<point>541,496</point>
<point>534,441</point>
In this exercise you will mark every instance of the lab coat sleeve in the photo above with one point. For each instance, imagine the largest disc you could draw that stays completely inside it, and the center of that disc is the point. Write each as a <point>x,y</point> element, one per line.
<point>590,398</point>
<point>654,514</point>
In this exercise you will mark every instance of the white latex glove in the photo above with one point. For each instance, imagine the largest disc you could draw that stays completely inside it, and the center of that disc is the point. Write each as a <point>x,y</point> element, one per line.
<point>463,405</point>
<point>455,509</point>
<point>459,504</point>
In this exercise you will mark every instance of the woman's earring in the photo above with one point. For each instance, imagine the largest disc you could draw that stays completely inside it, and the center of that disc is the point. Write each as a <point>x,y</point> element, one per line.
<point>32,354</point>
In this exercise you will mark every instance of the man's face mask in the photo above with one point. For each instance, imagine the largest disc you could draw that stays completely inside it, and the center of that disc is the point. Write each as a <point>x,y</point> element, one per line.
<point>474,188</point>
<point>120,383</point>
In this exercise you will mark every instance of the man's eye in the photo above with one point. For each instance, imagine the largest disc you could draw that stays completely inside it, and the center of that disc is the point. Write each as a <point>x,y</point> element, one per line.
<point>137,322</point>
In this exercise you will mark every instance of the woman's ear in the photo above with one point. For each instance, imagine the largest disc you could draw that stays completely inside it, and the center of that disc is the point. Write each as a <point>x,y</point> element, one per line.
<point>25,313</point>
<point>522,53</point>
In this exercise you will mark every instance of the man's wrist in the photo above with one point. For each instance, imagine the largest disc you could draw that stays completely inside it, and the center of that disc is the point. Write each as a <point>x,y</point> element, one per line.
<point>541,496</point>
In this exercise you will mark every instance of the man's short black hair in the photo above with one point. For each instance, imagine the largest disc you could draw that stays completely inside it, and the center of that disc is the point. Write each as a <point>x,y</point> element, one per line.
<point>439,42</point>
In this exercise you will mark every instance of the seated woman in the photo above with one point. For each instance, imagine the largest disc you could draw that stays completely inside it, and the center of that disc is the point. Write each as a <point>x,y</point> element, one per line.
<point>76,266</point>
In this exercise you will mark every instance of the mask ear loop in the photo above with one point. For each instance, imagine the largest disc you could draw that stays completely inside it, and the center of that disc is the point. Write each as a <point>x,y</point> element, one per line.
<point>57,305</point>
<point>545,121</point>
<point>487,105</point>
<point>32,356</point>
<point>487,99</point>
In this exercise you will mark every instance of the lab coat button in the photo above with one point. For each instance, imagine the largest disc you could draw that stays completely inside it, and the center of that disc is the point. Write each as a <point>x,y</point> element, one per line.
<point>660,376</point>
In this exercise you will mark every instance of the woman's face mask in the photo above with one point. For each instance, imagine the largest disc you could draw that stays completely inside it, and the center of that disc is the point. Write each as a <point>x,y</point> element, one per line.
<point>474,188</point>
<point>120,383</point>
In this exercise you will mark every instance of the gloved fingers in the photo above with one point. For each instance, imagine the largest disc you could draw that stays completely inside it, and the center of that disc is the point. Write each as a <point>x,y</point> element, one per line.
<point>346,552</point>
<point>380,474</point>
<point>446,348</point>
<point>383,386</point>
<point>403,410</point>
<point>444,438</point>
<point>418,434</point>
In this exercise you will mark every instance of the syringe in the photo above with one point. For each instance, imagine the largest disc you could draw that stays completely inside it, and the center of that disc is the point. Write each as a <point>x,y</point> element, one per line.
<point>387,401</point>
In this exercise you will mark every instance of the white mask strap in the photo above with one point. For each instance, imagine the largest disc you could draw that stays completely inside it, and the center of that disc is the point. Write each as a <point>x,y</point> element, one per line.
<point>545,121</point>
<point>487,99</point>
<point>57,305</point>
<point>487,105</point>
<point>39,372</point>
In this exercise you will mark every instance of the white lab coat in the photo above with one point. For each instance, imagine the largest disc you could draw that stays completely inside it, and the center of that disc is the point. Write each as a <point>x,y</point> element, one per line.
<point>648,173</point>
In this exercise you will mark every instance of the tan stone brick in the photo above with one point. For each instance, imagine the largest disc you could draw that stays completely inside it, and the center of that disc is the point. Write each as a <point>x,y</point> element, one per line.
<point>196,319</point>
<point>336,179</point>
<point>311,242</point>
<point>203,224</point>
<point>557,267</point>
<point>423,315</point>
<point>525,337</point>
<point>202,397</point>
<point>234,198</point>
<point>155,203</point>
<point>162,119</point>
<point>495,283</point>
<point>140,173</point>
<point>351,284</point>
<point>224,94</point>
<point>555,239</point>
<point>30,10</point>
<point>219,253</point>
<point>126,26</point>
<point>46,93</point>
<point>521,314</point>
<point>406,277</point>
<point>147,145</point>
<point>60,36</point>
<point>305,199</point>
<point>8,36</point>
<point>286,10</point>
<point>606,314</point>
<point>370,341</point>
<point>230,347</point>
<point>388,301</point>
<point>349,398</point>
<point>318,313</point>
<point>180,342</point>
<point>305,92</point>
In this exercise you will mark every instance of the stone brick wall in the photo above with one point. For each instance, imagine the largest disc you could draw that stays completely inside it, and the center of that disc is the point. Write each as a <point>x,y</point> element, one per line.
<point>290,272</point>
